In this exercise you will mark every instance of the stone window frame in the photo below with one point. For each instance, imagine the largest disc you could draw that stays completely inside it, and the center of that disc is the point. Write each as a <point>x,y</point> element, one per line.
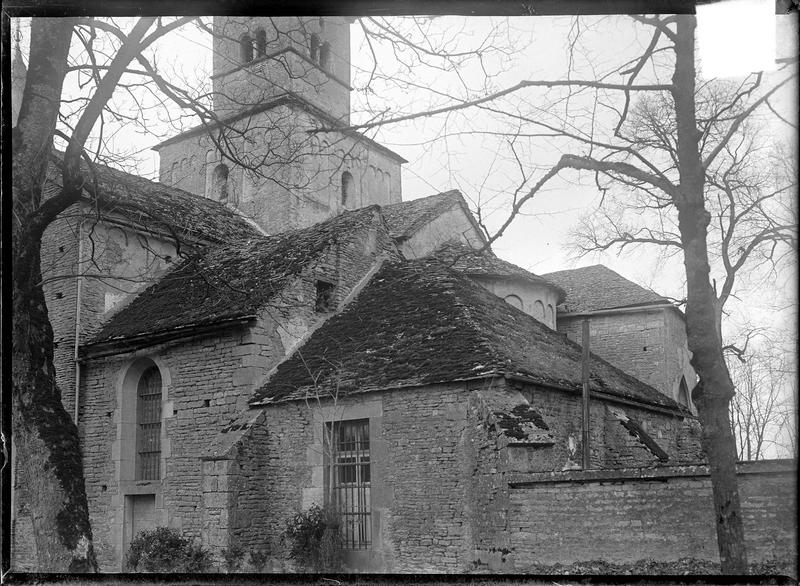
<point>220,177</point>
<point>125,452</point>
<point>123,447</point>
<point>351,497</point>
<point>149,420</point>
<point>348,183</point>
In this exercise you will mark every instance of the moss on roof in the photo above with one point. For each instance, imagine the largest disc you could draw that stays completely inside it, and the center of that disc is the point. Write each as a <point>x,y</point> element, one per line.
<point>598,287</point>
<point>156,207</point>
<point>230,281</point>
<point>419,323</point>
<point>467,260</point>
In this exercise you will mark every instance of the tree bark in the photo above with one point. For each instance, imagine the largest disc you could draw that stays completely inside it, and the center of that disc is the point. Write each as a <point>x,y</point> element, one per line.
<point>714,391</point>
<point>47,457</point>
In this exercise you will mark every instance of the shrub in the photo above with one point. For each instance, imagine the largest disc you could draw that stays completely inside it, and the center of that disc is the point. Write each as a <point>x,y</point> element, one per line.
<point>316,539</point>
<point>234,558</point>
<point>165,550</point>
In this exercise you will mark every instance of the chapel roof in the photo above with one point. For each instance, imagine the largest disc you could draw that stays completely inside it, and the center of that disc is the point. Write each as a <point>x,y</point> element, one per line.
<point>230,281</point>
<point>405,218</point>
<point>154,206</point>
<point>469,261</point>
<point>597,287</point>
<point>419,323</point>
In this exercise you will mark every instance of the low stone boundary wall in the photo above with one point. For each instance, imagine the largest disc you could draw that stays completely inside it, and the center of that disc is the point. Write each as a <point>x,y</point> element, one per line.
<point>663,513</point>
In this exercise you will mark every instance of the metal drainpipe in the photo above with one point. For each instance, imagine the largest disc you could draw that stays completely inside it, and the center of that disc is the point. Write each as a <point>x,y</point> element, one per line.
<point>79,283</point>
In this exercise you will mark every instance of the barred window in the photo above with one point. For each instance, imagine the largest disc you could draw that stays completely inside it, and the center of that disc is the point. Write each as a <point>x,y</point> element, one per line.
<point>347,479</point>
<point>148,419</point>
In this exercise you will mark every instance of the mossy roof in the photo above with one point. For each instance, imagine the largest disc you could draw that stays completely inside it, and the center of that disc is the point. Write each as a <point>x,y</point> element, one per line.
<point>155,207</point>
<point>231,281</point>
<point>597,287</point>
<point>421,322</point>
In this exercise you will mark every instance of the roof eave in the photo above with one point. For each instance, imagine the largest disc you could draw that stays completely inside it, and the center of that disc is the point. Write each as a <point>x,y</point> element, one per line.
<point>120,344</point>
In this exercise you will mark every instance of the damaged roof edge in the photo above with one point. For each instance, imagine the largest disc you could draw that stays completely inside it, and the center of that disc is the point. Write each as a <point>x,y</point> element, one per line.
<point>605,396</point>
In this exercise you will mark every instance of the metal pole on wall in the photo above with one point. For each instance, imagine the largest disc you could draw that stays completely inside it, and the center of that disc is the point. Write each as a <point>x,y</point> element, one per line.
<point>585,380</point>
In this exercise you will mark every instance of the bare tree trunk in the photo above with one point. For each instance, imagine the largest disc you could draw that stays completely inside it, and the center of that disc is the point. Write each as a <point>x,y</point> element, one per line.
<point>714,391</point>
<point>49,469</point>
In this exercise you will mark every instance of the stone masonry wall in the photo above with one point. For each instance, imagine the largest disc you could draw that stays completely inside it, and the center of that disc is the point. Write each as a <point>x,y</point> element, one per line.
<point>439,492</point>
<point>634,514</point>
<point>611,445</point>
<point>300,176</point>
<point>419,459</point>
<point>634,342</point>
<point>59,266</point>
<point>207,379</point>
<point>650,344</point>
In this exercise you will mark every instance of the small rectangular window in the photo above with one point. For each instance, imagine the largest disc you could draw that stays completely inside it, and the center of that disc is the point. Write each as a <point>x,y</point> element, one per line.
<point>324,297</point>
<point>347,479</point>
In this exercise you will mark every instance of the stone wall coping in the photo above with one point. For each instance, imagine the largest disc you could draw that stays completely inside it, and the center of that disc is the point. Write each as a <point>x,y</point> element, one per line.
<point>660,473</point>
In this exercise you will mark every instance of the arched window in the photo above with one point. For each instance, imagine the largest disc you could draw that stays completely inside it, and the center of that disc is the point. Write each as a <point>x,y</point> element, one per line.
<point>220,182</point>
<point>325,56</point>
<point>148,425</point>
<point>683,392</point>
<point>513,300</point>
<point>538,310</point>
<point>347,187</point>
<point>551,317</point>
<point>313,48</point>
<point>261,43</point>
<point>246,48</point>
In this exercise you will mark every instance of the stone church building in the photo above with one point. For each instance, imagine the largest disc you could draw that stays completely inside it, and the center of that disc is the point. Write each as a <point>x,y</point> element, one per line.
<point>271,325</point>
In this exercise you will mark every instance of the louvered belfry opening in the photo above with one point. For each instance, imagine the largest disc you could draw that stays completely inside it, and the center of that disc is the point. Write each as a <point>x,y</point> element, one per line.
<point>348,479</point>
<point>148,418</point>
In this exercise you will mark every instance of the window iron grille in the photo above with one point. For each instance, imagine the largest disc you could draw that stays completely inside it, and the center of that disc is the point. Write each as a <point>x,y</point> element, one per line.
<point>148,418</point>
<point>348,480</point>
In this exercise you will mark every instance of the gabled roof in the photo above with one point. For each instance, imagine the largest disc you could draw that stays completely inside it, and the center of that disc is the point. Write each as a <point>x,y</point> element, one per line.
<point>405,218</point>
<point>419,323</point>
<point>230,281</point>
<point>154,206</point>
<point>597,287</point>
<point>467,260</point>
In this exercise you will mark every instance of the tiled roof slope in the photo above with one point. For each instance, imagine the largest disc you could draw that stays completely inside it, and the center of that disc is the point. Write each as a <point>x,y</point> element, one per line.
<point>465,259</point>
<point>407,217</point>
<point>155,206</point>
<point>598,287</point>
<point>420,323</point>
<point>230,281</point>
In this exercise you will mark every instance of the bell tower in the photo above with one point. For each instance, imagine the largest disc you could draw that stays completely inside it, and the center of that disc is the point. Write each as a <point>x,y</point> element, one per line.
<point>276,81</point>
<point>259,59</point>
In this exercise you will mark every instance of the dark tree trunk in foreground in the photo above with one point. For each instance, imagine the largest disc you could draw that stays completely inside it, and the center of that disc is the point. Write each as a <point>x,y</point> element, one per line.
<point>714,391</point>
<point>48,466</point>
